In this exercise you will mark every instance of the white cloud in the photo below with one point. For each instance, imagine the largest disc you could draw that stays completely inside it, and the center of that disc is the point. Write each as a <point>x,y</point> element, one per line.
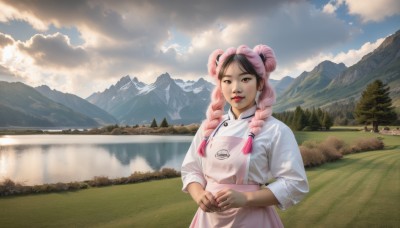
<point>133,37</point>
<point>54,51</point>
<point>368,10</point>
<point>8,12</point>
<point>329,8</point>
<point>349,58</point>
<point>373,10</point>
<point>332,6</point>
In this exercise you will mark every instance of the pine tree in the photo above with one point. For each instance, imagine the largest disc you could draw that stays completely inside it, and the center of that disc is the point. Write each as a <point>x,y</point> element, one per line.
<point>327,121</point>
<point>375,106</point>
<point>299,119</point>
<point>153,123</point>
<point>320,115</point>
<point>314,121</point>
<point>164,123</point>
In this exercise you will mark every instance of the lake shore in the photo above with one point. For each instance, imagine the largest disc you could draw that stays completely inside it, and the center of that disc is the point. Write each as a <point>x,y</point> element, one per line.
<point>109,130</point>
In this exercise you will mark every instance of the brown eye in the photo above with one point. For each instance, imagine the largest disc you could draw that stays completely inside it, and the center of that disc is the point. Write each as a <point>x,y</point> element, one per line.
<point>246,79</point>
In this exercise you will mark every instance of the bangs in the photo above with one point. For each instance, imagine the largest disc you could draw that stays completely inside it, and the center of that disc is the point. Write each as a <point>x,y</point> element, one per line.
<point>244,65</point>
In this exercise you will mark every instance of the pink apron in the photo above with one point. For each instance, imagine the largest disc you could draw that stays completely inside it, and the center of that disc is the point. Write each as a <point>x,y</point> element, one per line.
<point>225,166</point>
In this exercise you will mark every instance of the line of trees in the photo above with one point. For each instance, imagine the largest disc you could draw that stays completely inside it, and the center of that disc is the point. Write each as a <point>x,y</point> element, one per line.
<point>374,107</point>
<point>164,123</point>
<point>307,120</point>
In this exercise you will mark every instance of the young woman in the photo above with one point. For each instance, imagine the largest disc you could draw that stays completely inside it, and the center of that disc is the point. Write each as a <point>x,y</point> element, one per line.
<point>241,164</point>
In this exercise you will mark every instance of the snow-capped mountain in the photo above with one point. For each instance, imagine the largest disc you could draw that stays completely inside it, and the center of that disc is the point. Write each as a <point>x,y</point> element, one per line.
<point>194,86</point>
<point>116,94</point>
<point>134,102</point>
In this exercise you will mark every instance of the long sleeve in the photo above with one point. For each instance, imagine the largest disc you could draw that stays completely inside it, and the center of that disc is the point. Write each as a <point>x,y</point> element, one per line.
<point>191,170</point>
<point>287,168</point>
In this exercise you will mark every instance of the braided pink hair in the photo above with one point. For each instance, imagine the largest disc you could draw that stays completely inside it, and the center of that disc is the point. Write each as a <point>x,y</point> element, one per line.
<point>263,60</point>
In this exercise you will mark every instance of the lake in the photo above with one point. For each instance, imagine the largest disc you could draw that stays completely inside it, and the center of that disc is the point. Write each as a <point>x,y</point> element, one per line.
<point>38,159</point>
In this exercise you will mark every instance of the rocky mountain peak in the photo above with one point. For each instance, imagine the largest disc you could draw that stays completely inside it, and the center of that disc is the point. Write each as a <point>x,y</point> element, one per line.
<point>329,66</point>
<point>138,83</point>
<point>123,81</point>
<point>163,80</point>
<point>43,88</point>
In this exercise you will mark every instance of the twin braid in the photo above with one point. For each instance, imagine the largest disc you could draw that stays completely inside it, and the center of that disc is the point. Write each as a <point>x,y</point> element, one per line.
<point>263,60</point>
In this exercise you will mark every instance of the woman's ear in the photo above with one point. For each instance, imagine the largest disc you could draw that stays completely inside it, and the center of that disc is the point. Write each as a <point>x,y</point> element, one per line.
<point>260,86</point>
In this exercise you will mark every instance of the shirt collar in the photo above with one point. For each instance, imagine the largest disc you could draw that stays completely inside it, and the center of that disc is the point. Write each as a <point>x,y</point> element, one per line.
<point>244,115</point>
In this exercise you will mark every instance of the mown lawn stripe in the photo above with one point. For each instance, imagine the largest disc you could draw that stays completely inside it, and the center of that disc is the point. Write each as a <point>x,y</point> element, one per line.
<point>332,204</point>
<point>386,192</point>
<point>355,190</point>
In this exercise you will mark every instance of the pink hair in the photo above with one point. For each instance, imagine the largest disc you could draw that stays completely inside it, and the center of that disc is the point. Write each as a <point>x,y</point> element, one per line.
<point>263,60</point>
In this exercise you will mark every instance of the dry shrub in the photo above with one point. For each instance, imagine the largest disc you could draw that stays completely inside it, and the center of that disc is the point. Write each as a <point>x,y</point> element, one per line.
<point>146,176</point>
<point>334,143</point>
<point>315,154</point>
<point>8,187</point>
<point>121,180</point>
<point>311,156</point>
<point>77,185</point>
<point>170,173</point>
<point>60,187</point>
<point>43,188</point>
<point>367,144</point>
<point>181,130</point>
<point>139,177</point>
<point>99,181</point>
<point>164,130</point>
<point>193,128</point>
<point>330,148</point>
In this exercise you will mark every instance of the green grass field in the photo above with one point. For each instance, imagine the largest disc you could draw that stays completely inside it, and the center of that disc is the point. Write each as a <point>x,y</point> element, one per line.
<point>361,190</point>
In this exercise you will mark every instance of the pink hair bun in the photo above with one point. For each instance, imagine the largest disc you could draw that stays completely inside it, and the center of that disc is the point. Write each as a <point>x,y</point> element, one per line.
<point>212,63</point>
<point>269,57</point>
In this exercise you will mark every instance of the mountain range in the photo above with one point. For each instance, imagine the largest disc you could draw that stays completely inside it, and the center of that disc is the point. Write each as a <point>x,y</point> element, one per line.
<point>76,103</point>
<point>23,106</point>
<point>330,83</point>
<point>132,102</point>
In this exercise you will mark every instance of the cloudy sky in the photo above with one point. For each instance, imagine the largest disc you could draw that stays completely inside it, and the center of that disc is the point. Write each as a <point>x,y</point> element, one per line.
<point>84,46</point>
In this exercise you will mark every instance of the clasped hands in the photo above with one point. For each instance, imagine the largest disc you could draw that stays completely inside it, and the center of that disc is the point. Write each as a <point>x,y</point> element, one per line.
<point>223,200</point>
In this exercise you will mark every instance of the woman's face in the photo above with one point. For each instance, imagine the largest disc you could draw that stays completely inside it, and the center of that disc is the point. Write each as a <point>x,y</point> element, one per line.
<point>239,88</point>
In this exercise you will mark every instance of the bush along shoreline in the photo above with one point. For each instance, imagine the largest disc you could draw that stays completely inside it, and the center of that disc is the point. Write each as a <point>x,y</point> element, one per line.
<point>9,187</point>
<point>111,130</point>
<point>313,154</point>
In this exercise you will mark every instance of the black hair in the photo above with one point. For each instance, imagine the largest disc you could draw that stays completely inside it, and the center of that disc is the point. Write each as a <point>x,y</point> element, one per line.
<point>244,65</point>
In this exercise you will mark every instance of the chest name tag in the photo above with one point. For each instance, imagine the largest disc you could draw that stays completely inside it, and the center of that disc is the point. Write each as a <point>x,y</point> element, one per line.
<point>222,154</point>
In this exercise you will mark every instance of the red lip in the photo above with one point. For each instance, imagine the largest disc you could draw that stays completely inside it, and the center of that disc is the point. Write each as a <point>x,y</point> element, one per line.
<point>237,98</point>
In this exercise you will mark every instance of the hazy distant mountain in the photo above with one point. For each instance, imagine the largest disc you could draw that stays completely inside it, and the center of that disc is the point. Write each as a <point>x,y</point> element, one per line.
<point>331,83</point>
<point>281,85</point>
<point>78,105</point>
<point>23,106</point>
<point>133,102</point>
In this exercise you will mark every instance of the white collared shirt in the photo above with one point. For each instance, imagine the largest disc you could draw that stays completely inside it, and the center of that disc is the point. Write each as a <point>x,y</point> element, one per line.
<point>275,157</point>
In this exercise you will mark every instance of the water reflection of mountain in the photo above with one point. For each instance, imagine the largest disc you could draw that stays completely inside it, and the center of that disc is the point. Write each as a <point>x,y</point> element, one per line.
<point>155,154</point>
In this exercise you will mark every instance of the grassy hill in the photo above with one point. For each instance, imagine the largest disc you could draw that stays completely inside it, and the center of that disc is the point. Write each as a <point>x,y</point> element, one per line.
<point>23,106</point>
<point>361,190</point>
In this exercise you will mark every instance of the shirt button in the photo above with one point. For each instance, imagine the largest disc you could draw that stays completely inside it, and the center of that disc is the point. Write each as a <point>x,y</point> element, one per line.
<point>225,124</point>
